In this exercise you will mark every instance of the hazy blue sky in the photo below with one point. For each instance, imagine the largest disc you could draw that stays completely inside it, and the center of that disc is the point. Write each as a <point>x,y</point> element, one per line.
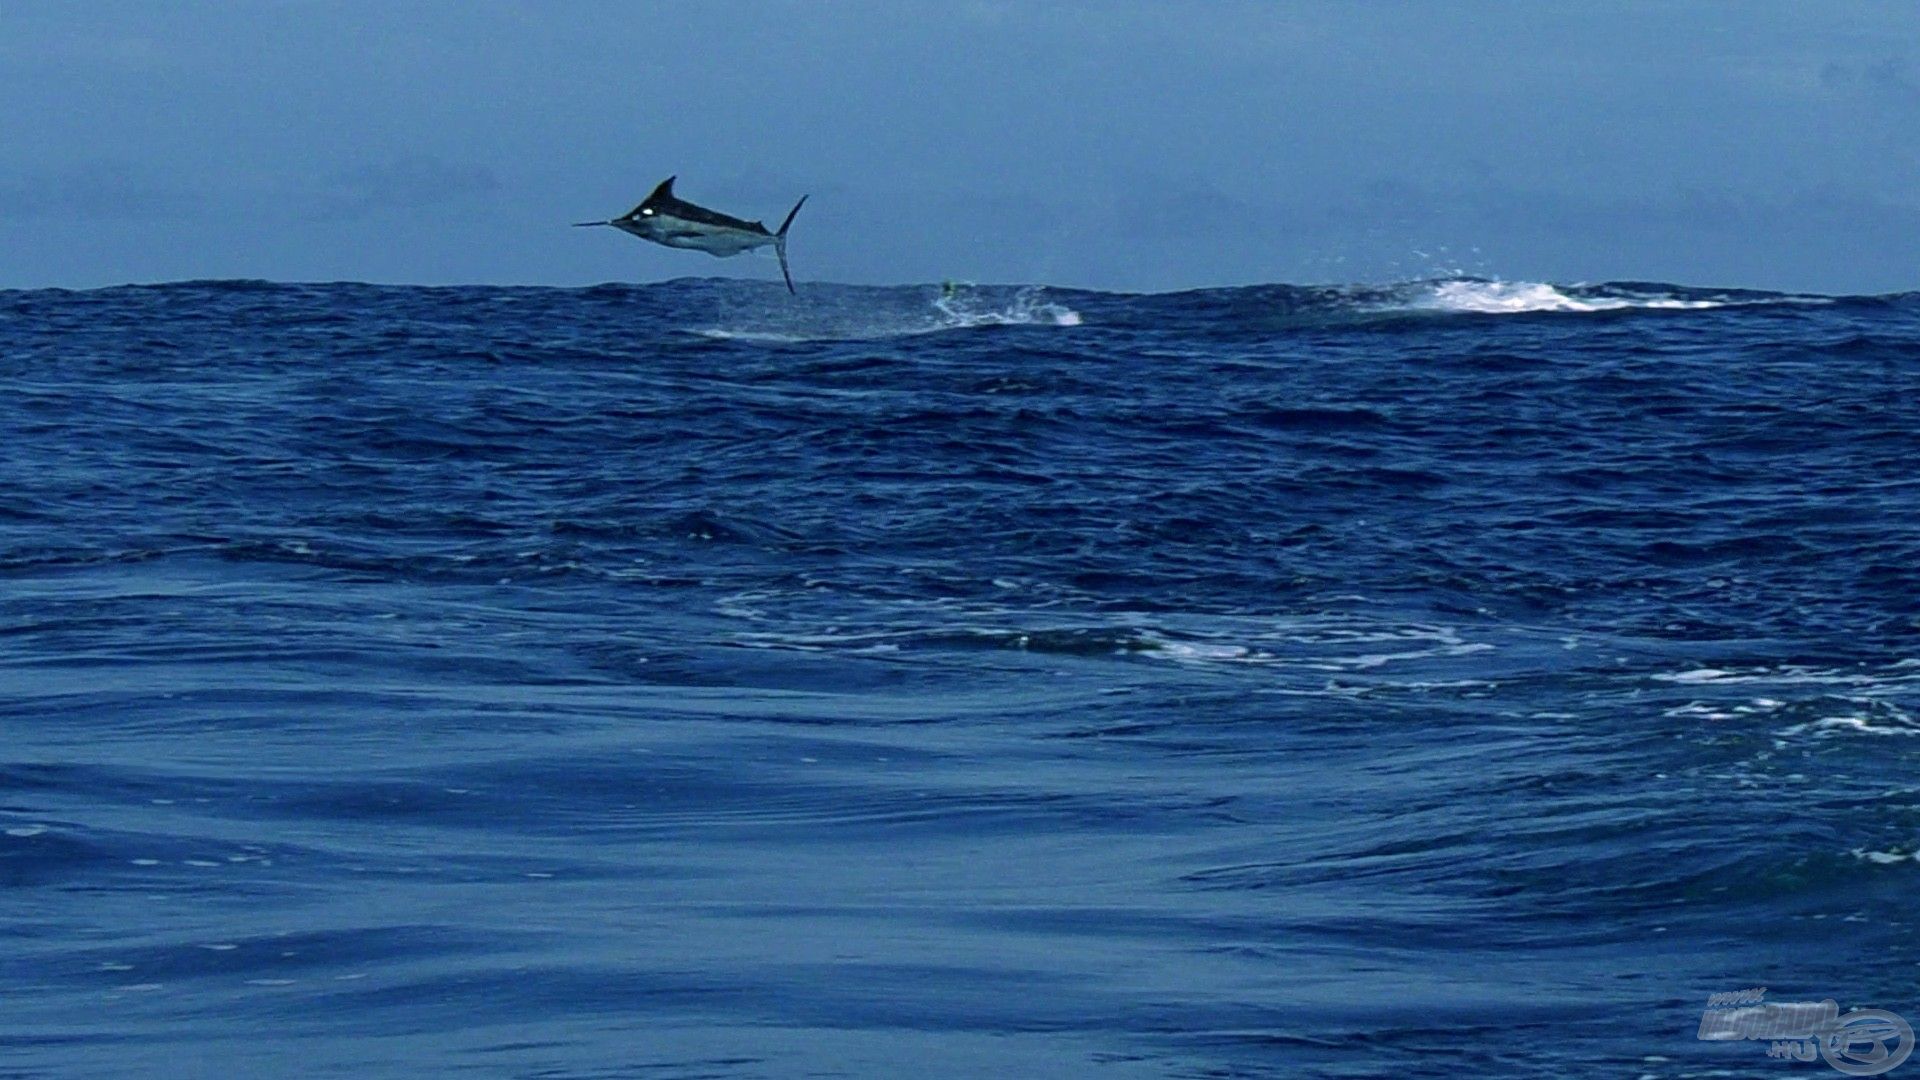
<point>1123,145</point>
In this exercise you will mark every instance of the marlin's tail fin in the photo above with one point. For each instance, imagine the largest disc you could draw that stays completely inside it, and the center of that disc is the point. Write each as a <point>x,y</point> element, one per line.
<point>780,241</point>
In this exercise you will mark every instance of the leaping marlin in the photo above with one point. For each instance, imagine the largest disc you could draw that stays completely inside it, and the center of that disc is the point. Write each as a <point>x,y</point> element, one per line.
<point>675,222</point>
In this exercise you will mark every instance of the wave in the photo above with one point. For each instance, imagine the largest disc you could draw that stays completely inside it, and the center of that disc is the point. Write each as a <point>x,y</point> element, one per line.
<point>846,312</point>
<point>1474,296</point>
<point>1428,299</point>
<point>842,313</point>
<point>727,309</point>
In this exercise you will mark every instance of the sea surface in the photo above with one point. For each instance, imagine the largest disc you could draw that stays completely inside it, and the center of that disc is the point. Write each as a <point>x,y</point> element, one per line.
<point>1455,678</point>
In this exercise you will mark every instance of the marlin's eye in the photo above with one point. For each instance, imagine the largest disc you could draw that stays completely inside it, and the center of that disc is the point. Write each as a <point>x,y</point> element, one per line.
<point>646,213</point>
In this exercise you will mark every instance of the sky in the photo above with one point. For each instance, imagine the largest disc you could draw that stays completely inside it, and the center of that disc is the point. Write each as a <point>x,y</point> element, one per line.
<point>1120,144</point>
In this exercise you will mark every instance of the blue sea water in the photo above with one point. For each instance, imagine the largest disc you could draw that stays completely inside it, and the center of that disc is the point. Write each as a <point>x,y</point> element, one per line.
<point>1452,678</point>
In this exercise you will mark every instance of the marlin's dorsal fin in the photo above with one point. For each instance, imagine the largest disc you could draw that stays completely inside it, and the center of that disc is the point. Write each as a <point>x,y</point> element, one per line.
<point>664,191</point>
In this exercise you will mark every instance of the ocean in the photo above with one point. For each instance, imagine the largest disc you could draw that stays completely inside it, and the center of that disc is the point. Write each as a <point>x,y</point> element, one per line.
<point>1438,679</point>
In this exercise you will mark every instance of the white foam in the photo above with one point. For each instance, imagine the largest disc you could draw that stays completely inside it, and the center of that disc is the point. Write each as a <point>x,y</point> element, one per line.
<point>962,310</point>
<point>1698,675</point>
<point>752,335</point>
<point>1858,725</point>
<point>1374,660</point>
<point>1202,651</point>
<point>1699,710</point>
<point>957,308</point>
<point>1516,297</point>
<point>1784,675</point>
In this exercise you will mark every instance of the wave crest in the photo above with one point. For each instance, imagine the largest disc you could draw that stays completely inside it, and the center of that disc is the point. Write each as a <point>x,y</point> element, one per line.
<point>1475,296</point>
<point>848,313</point>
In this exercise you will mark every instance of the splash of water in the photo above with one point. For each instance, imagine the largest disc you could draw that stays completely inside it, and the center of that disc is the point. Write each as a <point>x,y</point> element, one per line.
<point>1514,297</point>
<point>966,306</point>
<point>883,313</point>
